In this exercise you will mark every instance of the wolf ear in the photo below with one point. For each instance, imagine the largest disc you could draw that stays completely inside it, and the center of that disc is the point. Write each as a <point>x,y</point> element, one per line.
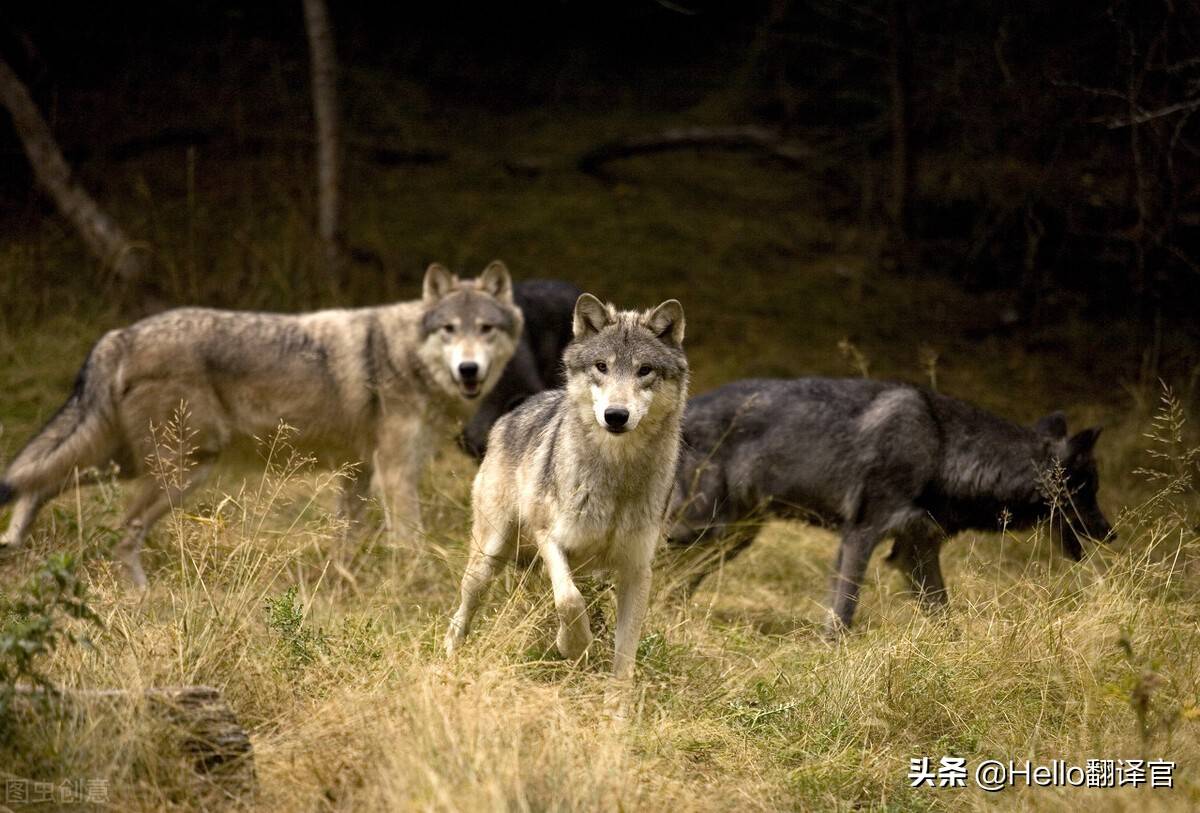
<point>1052,426</point>
<point>496,280</point>
<point>1081,443</point>
<point>438,282</point>
<point>591,316</point>
<point>666,322</point>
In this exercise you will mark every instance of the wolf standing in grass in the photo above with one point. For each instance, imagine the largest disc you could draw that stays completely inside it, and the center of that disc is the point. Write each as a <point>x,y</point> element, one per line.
<point>876,459</point>
<point>582,475</point>
<point>370,386</point>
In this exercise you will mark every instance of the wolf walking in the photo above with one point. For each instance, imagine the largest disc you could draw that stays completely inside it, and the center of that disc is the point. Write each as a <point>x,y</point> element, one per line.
<point>582,475</point>
<point>876,459</point>
<point>370,386</point>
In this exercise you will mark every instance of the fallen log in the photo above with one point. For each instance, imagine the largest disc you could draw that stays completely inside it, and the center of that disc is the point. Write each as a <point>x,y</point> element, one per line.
<point>735,139</point>
<point>209,732</point>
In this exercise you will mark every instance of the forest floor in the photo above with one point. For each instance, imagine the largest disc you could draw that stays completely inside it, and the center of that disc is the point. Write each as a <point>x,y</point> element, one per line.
<point>330,653</point>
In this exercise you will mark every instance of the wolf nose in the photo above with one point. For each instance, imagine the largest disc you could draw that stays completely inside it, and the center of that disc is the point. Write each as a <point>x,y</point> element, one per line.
<point>616,417</point>
<point>468,370</point>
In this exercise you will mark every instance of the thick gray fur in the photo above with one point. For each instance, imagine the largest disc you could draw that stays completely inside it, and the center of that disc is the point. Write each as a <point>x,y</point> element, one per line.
<point>875,459</point>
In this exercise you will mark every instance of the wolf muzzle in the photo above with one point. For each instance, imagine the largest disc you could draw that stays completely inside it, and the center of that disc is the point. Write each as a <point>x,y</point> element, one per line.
<point>468,376</point>
<point>615,419</point>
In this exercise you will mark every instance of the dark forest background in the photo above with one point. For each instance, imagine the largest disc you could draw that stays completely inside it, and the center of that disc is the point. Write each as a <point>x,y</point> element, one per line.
<point>1040,156</point>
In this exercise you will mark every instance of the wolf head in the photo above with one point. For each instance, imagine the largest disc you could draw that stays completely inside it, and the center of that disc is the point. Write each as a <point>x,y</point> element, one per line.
<point>626,369</point>
<point>1077,501</point>
<point>469,330</point>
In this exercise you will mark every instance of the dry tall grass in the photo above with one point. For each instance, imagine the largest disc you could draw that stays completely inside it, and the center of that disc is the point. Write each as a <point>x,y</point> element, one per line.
<point>327,647</point>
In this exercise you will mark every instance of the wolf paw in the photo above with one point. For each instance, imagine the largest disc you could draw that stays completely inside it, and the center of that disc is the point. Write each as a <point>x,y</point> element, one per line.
<point>454,639</point>
<point>573,641</point>
<point>132,564</point>
<point>835,629</point>
<point>619,703</point>
<point>574,631</point>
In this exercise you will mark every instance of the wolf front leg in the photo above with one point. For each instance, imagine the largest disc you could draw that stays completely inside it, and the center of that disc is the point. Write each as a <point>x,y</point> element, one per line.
<point>400,457</point>
<point>633,596</point>
<point>574,631</point>
<point>853,555</point>
<point>353,493</point>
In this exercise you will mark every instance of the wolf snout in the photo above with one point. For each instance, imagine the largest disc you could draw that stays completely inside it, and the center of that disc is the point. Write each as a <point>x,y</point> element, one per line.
<point>469,380</point>
<point>615,419</point>
<point>1095,525</point>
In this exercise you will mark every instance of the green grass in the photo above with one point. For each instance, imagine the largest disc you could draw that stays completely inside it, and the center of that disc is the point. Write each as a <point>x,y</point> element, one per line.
<point>329,651</point>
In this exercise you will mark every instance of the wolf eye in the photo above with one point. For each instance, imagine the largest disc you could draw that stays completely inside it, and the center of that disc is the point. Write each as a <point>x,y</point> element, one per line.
<point>645,370</point>
<point>601,366</point>
<point>486,329</point>
<point>448,329</point>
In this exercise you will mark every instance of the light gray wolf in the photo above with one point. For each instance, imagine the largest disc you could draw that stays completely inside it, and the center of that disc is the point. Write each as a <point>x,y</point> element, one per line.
<point>581,476</point>
<point>549,307</point>
<point>370,386</point>
<point>878,460</point>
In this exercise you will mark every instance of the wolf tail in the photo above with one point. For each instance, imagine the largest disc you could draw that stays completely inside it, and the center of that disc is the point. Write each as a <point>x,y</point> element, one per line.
<point>82,433</point>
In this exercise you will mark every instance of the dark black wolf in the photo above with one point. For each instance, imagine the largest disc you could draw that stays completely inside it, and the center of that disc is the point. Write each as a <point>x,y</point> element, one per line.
<point>549,307</point>
<point>876,459</point>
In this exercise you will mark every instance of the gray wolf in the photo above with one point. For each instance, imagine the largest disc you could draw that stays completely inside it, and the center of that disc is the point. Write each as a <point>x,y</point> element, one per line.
<point>536,365</point>
<point>581,476</point>
<point>877,460</point>
<point>370,386</point>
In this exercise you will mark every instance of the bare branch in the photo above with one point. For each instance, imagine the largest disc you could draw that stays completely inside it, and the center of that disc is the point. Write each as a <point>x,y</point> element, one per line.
<point>104,238</point>
<point>1149,115</point>
<point>678,9</point>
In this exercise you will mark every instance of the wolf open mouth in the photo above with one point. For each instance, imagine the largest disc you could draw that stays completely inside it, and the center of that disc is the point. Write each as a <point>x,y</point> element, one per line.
<point>470,389</point>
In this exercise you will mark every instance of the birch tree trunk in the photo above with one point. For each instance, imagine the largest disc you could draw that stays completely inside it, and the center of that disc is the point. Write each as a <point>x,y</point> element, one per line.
<point>104,238</point>
<point>325,111</point>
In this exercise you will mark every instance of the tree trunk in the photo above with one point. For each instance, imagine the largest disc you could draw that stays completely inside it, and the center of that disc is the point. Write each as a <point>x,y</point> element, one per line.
<point>900,81</point>
<point>104,238</point>
<point>325,111</point>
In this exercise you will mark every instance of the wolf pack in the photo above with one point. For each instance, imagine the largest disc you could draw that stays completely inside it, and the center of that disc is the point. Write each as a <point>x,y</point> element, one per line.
<point>593,459</point>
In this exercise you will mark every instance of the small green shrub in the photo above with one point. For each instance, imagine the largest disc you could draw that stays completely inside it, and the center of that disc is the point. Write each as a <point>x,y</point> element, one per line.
<point>36,622</point>
<point>300,644</point>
